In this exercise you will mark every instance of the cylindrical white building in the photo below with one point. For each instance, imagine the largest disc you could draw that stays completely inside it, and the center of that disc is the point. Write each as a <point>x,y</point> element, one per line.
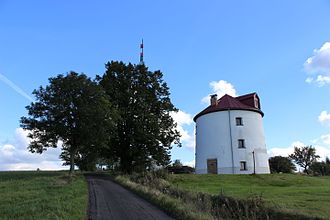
<point>230,137</point>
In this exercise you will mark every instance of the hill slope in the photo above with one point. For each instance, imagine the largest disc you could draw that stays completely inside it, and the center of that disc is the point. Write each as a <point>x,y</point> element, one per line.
<point>290,193</point>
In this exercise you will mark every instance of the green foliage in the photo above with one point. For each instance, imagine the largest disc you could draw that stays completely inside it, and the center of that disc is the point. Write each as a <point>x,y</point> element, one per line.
<point>42,195</point>
<point>123,118</point>
<point>304,156</point>
<point>145,131</point>
<point>177,163</point>
<point>321,168</point>
<point>74,110</point>
<point>279,164</point>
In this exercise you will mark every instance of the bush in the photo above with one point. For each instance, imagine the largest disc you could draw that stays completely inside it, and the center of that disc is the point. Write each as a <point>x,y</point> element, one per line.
<point>180,170</point>
<point>279,164</point>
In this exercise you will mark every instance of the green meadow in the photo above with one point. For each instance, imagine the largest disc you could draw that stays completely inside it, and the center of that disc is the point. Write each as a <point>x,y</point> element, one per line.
<point>53,195</point>
<point>291,193</point>
<point>42,195</point>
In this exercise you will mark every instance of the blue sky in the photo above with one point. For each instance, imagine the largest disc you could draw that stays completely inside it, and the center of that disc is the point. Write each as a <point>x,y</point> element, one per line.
<point>279,49</point>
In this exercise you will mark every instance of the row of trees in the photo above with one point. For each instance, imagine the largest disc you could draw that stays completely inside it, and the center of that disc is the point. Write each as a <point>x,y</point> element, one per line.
<point>305,157</point>
<point>122,118</point>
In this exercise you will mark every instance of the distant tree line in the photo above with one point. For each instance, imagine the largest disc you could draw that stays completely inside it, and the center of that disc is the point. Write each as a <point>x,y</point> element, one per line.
<point>305,157</point>
<point>121,118</point>
<point>177,167</point>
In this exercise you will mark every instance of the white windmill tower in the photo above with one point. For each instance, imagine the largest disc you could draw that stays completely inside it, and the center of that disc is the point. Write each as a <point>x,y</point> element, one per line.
<point>230,137</point>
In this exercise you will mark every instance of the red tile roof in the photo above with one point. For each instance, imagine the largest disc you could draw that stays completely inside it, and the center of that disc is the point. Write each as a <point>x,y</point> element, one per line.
<point>227,102</point>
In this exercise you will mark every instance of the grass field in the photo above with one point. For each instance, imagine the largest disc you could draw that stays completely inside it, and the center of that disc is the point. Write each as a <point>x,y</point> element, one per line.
<point>288,192</point>
<point>42,195</point>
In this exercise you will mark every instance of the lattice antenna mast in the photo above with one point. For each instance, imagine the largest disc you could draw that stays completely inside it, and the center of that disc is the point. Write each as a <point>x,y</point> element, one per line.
<point>141,53</point>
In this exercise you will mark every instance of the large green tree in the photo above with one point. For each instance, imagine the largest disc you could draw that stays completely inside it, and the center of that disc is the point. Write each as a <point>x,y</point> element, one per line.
<point>145,130</point>
<point>279,164</point>
<point>321,168</point>
<point>304,156</point>
<point>72,110</point>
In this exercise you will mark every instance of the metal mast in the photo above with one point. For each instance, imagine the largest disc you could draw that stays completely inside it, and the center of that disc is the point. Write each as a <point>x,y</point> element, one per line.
<point>141,53</point>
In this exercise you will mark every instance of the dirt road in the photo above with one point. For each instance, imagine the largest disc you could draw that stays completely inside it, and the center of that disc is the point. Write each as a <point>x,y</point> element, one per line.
<point>108,200</point>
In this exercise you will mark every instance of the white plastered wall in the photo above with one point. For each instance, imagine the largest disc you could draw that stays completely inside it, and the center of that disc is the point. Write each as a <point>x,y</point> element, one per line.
<point>217,138</point>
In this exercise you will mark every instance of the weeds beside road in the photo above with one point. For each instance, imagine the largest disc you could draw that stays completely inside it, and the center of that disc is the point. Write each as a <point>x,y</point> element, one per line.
<point>186,196</point>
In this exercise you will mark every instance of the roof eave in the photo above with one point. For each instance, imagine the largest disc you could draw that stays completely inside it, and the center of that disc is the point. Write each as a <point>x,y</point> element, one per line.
<point>220,110</point>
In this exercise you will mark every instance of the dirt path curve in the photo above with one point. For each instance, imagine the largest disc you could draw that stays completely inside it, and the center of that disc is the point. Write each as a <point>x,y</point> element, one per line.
<point>108,200</point>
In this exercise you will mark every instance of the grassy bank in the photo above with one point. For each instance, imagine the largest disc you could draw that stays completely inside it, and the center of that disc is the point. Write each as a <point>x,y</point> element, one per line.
<point>42,195</point>
<point>234,196</point>
<point>171,205</point>
<point>286,192</point>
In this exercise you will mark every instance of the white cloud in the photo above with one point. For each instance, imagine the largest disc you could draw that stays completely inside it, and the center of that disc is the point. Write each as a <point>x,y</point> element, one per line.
<point>184,120</point>
<point>320,61</point>
<point>320,80</point>
<point>220,88</point>
<point>297,144</point>
<point>322,151</point>
<point>326,138</point>
<point>14,155</point>
<point>309,80</point>
<point>324,118</point>
<point>319,64</point>
<point>189,163</point>
<point>43,165</point>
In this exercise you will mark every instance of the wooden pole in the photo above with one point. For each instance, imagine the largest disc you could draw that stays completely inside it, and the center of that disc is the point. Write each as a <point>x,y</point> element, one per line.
<point>254,163</point>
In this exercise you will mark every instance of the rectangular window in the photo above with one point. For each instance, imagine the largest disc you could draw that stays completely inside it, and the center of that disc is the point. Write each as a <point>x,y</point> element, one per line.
<point>239,121</point>
<point>243,165</point>
<point>241,143</point>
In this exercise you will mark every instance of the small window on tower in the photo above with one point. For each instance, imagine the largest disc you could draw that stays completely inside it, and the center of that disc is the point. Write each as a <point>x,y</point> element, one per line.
<point>241,143</point>
<point>239,121</point>
<point>243,165</point>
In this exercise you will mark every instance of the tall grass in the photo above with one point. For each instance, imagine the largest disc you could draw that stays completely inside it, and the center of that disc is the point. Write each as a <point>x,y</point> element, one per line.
<point>193,204</point>
<point>42,195</point>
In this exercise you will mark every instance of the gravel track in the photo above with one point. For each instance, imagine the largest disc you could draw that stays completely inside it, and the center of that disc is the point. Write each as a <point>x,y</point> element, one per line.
<point>108,200</point>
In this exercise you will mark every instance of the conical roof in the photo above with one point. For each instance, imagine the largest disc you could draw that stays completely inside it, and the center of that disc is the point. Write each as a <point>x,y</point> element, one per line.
<point>227,102</point>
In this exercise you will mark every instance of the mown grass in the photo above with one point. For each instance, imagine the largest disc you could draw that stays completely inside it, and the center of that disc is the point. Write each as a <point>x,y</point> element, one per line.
<point>42,195</point>
<point>291,193</point>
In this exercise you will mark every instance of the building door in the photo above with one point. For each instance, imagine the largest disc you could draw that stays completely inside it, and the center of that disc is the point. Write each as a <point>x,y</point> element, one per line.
<point>212,166</point>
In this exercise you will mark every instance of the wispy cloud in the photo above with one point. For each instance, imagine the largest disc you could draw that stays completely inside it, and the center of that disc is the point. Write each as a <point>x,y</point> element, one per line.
<point>15,87</point>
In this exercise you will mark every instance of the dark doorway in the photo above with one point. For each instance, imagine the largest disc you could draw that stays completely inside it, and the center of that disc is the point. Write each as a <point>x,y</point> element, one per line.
<point>212,166</point>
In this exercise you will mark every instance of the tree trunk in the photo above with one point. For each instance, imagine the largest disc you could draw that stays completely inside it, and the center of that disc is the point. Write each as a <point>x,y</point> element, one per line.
<point>71,163</point>
<point>306,170</point>
<point>126,165</point>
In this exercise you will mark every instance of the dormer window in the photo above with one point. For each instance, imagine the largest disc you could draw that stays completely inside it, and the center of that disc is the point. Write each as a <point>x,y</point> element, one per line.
<point>239,121</point>
<point>256,102</point>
